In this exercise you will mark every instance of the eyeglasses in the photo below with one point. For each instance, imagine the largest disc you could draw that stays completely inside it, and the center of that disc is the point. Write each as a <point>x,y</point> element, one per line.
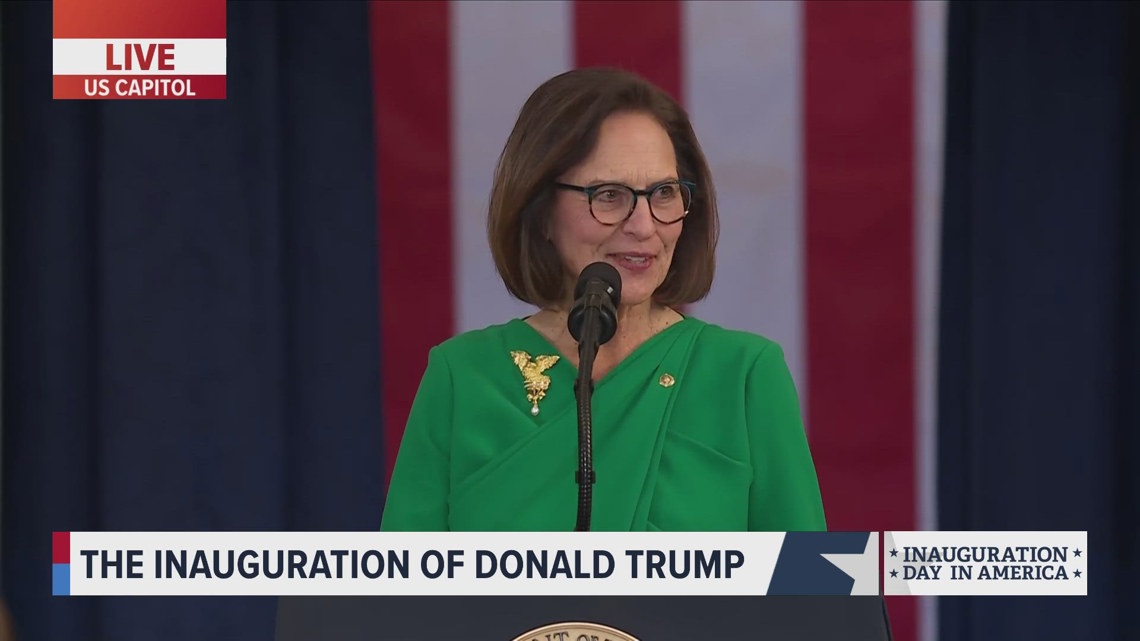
<point>613,203</point>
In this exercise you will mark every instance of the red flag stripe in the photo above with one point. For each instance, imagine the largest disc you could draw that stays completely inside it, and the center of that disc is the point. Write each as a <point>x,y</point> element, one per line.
<point>644,37</point>
<point>413,144</point>
<point>859,186</point>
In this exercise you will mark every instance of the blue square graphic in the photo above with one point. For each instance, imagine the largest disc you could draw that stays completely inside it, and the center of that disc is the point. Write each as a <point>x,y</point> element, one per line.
<point>61,579</point>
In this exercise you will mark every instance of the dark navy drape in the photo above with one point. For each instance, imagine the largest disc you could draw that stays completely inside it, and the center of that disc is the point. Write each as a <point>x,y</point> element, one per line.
<point>190,311</point>
<point>1040,335</point>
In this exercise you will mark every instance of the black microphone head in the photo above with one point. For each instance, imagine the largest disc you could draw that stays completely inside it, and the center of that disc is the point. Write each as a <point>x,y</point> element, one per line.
<point>599,290</point>
<point>603,272</point>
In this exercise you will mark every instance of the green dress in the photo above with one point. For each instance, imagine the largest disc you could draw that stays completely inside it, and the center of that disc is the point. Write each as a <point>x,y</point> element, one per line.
<point>698,429</point>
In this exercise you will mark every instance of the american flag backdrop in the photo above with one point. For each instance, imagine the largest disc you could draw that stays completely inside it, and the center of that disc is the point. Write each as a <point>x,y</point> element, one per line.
<point>822,122</point>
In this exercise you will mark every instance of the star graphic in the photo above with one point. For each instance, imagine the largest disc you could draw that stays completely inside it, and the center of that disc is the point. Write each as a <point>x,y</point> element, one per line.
<point>1077,552</point>
<point>864,568</point>
<point>1077,573</point>
<point>896,552</point>
<point>894,573</point>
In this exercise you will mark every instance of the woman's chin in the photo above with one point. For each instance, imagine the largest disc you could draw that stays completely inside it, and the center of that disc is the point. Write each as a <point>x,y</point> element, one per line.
<point>635,299</point>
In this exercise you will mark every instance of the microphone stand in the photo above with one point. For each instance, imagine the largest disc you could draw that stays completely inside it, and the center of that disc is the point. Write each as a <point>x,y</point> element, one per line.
<point>583,392</point>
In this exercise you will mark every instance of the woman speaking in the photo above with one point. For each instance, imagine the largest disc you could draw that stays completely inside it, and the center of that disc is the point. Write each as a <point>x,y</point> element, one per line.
<point>695,427</point>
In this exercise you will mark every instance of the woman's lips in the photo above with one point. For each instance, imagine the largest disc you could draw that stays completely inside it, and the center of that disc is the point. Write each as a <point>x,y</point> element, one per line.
<point>634,262</point>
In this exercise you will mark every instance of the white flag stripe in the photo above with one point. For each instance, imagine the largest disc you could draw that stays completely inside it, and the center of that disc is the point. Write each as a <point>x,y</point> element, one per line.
<point>930,78</point>
<point>500,52</point>
<point>930,63</point>
<point>89,57</point>
<point>742,79</point>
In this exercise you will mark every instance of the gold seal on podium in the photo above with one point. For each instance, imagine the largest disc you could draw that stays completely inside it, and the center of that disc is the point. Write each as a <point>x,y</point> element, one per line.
<point>575,632</point>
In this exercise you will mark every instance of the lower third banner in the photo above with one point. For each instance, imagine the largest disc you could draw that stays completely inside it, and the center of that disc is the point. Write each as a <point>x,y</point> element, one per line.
<point>458,564</point>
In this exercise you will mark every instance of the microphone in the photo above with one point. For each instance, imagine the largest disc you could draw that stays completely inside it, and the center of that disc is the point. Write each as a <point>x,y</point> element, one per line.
<point>592,322</point>
<point>598,288</point>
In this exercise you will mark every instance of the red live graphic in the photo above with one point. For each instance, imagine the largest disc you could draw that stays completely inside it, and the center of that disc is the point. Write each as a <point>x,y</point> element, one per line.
<point>141,57</point>
<point>138,49</point>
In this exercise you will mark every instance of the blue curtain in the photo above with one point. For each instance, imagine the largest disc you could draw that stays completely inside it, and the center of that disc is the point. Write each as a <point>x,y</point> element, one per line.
<point>1040,331</point>
<point>190,302</point>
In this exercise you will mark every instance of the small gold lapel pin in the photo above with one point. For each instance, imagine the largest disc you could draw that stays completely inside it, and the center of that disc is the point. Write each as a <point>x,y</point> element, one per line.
<point>666,380</point>
<point>534,380</point>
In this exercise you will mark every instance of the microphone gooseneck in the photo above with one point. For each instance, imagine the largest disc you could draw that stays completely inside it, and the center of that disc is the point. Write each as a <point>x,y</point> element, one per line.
<point>592,322</point>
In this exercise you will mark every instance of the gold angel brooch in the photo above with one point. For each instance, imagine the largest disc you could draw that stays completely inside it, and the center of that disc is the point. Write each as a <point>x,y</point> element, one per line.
<point>535,381</point>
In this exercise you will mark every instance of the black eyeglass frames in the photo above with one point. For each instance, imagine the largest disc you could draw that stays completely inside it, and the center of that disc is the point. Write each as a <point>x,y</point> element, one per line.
<point>612,203</point>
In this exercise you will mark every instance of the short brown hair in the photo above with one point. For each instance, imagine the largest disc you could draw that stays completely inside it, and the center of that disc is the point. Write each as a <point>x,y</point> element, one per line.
<point>556,130</point>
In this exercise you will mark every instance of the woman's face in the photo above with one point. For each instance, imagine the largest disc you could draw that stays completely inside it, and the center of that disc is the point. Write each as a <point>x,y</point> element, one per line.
<point>634,150</point>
